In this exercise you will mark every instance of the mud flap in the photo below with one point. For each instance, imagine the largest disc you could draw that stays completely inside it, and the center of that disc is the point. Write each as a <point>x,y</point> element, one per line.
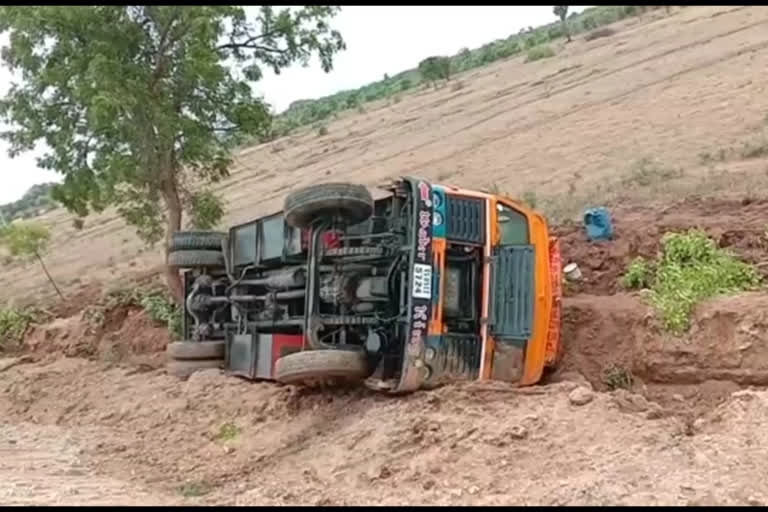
<point>508,362</point>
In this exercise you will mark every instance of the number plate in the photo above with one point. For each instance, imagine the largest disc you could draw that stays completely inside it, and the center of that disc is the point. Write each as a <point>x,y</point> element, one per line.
<point>422,281</point>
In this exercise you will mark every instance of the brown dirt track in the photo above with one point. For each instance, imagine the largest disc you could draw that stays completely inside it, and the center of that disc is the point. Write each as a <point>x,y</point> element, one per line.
<point>106,425</point>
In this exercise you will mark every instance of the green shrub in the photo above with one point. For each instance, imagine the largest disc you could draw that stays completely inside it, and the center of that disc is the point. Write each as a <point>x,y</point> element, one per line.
<point>692,268</point>
<point>162,311</point>
<point>639,274</point>
<point>539,52</point>
<point>617,377</point>
<point>13,324</point>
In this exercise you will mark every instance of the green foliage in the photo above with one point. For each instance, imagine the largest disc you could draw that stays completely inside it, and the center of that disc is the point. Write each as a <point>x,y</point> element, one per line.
<point>156,304</point>
<point>228,432</point>
<point>37,199</point>
<point>617,377</point>
<point>25,239</point>
<point>195,489</point>
<point>692,268</point>
<point>133,99</point>
<point>433,69</point>
<point>639,274</point>
<point>162,311</point>
<point>13,324</point>
<point>538,53</point>
<point>207,210</point>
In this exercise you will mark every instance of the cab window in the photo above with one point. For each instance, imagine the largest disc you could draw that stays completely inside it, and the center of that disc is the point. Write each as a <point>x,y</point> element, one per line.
<point>513,226</point>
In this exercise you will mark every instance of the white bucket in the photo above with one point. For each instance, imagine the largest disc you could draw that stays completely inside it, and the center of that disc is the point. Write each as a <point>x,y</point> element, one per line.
<point>572,272</point>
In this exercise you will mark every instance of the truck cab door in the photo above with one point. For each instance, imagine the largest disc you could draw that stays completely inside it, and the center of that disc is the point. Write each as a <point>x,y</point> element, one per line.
<point>512,294</point>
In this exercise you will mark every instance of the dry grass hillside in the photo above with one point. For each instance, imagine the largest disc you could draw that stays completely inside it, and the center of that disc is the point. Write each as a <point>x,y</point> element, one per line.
<point>666,104</point>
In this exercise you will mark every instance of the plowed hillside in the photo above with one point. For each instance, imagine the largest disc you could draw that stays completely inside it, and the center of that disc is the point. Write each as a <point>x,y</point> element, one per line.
<point>664,105</point>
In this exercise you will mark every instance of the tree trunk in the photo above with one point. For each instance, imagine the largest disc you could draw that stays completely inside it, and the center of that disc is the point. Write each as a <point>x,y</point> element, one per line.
<point>173,203</point>
<point>40,259</point>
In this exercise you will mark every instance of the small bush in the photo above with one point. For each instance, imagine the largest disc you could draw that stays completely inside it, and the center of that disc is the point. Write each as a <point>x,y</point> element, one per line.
<point>162,311</point>
<point>757,149</point>
<point>539,52</point>
<point>639,274</point>
<point>529,197</point>
<point>322,131</point>
<point>601,32</point>
<point>13,325</point>
<point>617,377</point>
<point>195,489</point>
<point>78,223</point>
<point>228,432</point>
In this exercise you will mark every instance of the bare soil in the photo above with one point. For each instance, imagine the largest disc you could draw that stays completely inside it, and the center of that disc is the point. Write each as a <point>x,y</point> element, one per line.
<point>88,415</point>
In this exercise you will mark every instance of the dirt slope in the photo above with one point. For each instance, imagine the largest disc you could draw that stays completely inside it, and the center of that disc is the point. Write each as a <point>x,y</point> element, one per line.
<point>475,444</point>
<point>672,89</point>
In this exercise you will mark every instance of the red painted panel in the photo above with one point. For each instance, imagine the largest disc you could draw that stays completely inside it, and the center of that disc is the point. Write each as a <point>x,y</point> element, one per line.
<point>284,344</point>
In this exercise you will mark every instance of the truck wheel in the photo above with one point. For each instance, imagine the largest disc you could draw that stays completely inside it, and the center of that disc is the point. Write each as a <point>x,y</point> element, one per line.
<point>310,366</point>
<point>196,259</point>
<point>348,202</point>
<point>195,350</point>
<point>197,240</point>
<point>184,369</point>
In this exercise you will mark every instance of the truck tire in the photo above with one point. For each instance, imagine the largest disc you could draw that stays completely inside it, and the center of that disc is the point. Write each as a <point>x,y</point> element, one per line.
<point>310,366</point>
<point>195,350</point>
<point>183,369</point>
<point>197,240</point>
<point>349,202</point>
<point>196,259</point>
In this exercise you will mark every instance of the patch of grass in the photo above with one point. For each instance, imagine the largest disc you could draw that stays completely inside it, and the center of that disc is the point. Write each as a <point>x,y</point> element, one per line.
<point>755,149</point>
<point>617,377</point>
<point>228,432</point>
<point>195,489</point>
<point>529,198</point>
<point>647,172</point>
<point>692,268</point>
<point>639,274</point>
<point>539,52</point>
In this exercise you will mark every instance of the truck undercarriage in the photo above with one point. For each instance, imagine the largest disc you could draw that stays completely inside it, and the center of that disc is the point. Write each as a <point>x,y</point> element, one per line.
<point>339,287</point>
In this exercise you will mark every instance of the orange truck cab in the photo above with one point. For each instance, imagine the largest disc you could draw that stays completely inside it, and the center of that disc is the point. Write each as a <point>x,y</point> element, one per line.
<point>500,320</point>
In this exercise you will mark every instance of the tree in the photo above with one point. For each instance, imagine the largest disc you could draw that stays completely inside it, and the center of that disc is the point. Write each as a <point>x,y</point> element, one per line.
<point>142,105</point>
<point>433,69</point>
<point>28,240</point>
<point>561,11</point>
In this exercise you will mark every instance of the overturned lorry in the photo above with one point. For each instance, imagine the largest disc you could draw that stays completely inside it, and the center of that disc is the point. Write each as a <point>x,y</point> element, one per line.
<point>428,284</point>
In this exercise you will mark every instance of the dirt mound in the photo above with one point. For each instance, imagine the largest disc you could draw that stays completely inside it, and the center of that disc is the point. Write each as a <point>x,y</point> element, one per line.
<point>739,226</point>
<point>116,334</point>
<point>726,349</point>
<point>220,440</point>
